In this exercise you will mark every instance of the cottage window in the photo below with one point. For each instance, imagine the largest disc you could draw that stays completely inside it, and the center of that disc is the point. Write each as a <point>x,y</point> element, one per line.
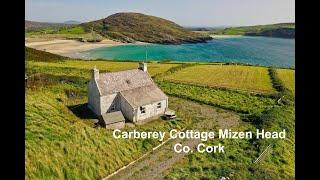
<point>159,105</point>
<point>113,108</point>
<point>142,109</point>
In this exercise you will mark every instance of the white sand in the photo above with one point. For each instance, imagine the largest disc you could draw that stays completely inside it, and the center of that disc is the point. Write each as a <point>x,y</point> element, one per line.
<point>70,48</point>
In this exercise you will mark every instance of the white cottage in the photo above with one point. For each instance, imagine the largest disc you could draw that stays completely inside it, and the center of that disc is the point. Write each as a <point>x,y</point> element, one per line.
<point>131,92</point>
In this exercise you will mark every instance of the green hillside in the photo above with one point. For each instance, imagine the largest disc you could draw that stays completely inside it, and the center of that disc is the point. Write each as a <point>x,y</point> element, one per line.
<point>131,27</point>
<point>280,32</point>
<point>38,26</point>
<point>252,29</point>
<point>36,55</point>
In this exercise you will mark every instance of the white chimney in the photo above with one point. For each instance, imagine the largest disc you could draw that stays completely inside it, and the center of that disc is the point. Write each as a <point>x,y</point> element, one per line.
<point>143,66</point>
<point>95,73</point>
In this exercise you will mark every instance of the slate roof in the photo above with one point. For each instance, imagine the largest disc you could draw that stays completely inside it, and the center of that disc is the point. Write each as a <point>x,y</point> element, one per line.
<point>113,117</point>
<point>144,95</point>
<point>113,82</point>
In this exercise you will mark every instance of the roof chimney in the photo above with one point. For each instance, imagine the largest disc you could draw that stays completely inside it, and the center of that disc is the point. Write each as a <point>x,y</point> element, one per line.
<point>143,66</point>
<point>95,73</point>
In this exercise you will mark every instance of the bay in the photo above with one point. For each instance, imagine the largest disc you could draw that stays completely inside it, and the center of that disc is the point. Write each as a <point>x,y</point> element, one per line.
<point>264,51</point>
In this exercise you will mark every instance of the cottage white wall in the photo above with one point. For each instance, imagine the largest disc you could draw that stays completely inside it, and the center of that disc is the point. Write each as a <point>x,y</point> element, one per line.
<point>94,96</point>
<point>126,109</point>
<point>151,110</point>
<point>107,101</point>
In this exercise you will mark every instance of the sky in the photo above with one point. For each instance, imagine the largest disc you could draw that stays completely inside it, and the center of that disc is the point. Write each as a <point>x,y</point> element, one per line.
<point>209,13</point>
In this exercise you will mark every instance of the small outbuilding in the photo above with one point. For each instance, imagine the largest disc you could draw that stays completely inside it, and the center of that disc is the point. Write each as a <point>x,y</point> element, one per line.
<point>114,120</point>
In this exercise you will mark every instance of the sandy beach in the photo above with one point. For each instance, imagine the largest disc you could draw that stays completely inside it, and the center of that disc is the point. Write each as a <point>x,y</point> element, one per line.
<point>70,48</point>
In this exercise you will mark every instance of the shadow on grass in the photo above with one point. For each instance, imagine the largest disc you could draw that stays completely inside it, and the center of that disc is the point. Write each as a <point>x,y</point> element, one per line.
<point>82,111</point>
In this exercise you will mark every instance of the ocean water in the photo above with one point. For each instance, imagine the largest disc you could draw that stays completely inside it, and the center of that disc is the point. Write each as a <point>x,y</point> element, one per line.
<point>263,51</point>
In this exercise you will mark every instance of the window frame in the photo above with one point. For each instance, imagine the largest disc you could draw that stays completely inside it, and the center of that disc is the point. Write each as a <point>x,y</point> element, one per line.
<point>159,105</point>
<point>142,110</point>
<point>112,108</point>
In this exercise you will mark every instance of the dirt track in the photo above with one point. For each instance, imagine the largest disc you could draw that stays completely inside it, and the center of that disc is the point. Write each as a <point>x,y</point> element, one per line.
<point>204,117</point>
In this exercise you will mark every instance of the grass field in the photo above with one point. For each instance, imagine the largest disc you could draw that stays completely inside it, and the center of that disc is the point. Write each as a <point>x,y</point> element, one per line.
<point>231,100</point>
<point>62,144</point>
<point>237,161</point>
<point>73,34</point>
<point>247,29</point>
<point>73,30</point>
<point>244,78</point>
<point>287,76</point>
<point>83,68</point>
<point>61,133</point>
<point>61,30</point>
<point>59,145</point>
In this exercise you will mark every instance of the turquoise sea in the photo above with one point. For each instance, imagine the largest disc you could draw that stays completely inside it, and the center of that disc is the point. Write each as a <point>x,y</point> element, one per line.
<point>263,51</point>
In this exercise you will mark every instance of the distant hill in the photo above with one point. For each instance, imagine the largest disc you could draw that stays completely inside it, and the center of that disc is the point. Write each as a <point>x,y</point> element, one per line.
<point>261,30</point>
<point>130,27</point>
<point>281,32</point>
<point>32,25</point>
<point>71,22</point>
<point>36,55</point>
<point>197,28</point>
<point>204,28</point>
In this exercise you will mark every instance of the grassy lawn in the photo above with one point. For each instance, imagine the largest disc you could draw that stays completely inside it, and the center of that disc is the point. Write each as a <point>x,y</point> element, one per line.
<point>288,78</point>
<point>68,147</point>
<point>83,68</point>
<point>244,78</point>
<point>231,100</point>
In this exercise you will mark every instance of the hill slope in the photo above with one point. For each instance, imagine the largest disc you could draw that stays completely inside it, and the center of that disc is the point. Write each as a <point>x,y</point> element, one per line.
<point>281,30</point>
<point>130,27</point>
<point>32,25</point>
<point>36,55</point>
